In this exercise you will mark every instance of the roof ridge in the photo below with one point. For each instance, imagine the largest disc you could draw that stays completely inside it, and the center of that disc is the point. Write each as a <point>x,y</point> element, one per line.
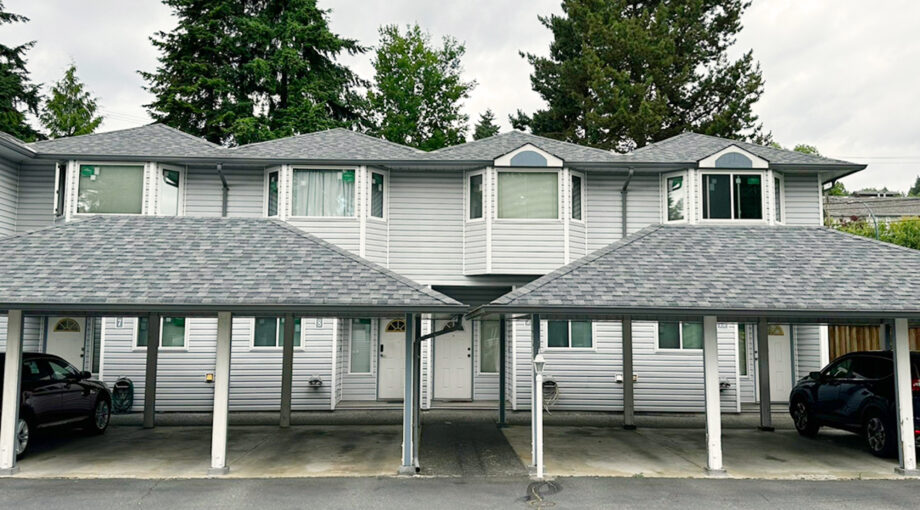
<point>530,136</point>
<point>384,140</point>
<point>328,130</point>
<point>291,137</point>
<point>187,135</point>
<point>125,130</point>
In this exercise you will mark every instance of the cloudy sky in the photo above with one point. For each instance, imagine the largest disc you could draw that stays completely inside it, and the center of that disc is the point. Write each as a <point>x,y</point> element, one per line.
<point>840,74</point>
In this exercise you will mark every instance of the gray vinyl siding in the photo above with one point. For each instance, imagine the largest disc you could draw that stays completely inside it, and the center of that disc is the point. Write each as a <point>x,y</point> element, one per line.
<point>204,191</point>
<point>9,196</point>
<point>747,382</point>
<point>32,333</point>
<point>425,365</point>
<point>377,239</point>
<point>510,379</point>
<point>36,196</point>
<point>527,247</point>
<point>474,247</point>
<point>807,338</point>
<point>426,226</point>
<point>586,379</point>
<point>577,240</point>
<point>803,200</point>
<point>604,210</point>
<point>643,203</point>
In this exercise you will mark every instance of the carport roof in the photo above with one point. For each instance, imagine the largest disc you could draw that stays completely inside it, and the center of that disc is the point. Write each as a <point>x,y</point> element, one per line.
<point>199,265</point>
<point>796,273</point>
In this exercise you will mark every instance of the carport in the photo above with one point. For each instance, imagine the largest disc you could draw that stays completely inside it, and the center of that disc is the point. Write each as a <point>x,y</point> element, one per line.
<point>745,274</point>
<point>202,267</point>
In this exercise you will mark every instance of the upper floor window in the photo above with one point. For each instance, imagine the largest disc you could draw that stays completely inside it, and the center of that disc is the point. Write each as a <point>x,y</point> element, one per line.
<point>778,199</point>
<point>377,195</point>
<point>476,196</point>
<point>528,195</point>
<point>269,332</point>
<point>680,335</point>
<point>110,189</point>
<point>323,193</point>
<point>732,196</point>
<point>676,189</point>
<point>569,334</point>
<point>60,188</point>
<point>170,196</point>
<point>272,190</point>
<point>577,191</point>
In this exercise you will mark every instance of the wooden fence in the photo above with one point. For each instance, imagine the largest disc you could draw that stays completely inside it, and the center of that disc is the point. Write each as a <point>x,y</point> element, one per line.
<point>844,339</point>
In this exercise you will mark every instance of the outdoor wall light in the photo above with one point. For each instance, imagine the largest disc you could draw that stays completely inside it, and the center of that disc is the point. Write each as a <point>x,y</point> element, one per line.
<point>209,378</point>
<point>538,363</point>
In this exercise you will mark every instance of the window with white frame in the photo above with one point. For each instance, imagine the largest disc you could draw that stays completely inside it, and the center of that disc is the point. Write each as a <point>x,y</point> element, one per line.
<point>110,189</point>
<point>272,181</point>
<point>778,199</point>
<point>742,349</point>
<point>676,197</point>
<point>577,193</point>
<point>377,194</point>
<point>475,196</point>
<point>489,346</point>
<point>569,334</point>
<point>528,195</point>
<point>172,332</point>
<point>323,193</point>
<point>732,196</point>
<point>680,335</point>
<point>60,189</point>
<point>170,198</point>
<point>269,332</point>
<point>360,348</point>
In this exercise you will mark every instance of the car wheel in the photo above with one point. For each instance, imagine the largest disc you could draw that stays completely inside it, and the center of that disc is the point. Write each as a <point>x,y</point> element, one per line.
<point>880,437</point>
<point>23,437</point>
<point>803,419</point>
<point>99,419</point>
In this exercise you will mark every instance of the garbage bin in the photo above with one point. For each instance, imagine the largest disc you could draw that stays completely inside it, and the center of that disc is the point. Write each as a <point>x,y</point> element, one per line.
<point>122,396</point>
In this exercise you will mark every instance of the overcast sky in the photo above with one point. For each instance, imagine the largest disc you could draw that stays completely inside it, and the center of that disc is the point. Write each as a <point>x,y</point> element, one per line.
<point>840,74</point>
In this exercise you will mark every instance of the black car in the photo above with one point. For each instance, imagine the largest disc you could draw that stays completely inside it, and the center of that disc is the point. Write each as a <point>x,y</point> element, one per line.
<point>54,393</point>
<point>855,393</point>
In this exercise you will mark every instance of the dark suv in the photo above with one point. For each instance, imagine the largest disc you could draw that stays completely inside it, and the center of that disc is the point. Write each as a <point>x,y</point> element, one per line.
<point>54,393</point>
<point>855,393</point>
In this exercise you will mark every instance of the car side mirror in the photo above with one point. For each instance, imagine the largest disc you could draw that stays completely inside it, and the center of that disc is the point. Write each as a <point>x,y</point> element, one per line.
<point>816,376</point>
<point>85,375</point>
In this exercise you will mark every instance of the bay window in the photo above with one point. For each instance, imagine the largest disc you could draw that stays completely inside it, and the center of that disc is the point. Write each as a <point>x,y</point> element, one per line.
<point>323,193</point>
<point>569,334</point>
<point>732,196</point>
<point>272,190</point>
<point>169,192</point>
<point>676,189</point>
<point>576,197</point>
<point>110,189</point>
<point>269,332</point>
<point>377,192</point>
<point>528,195</point>
<point>475,196</point>
<point>680,335</point>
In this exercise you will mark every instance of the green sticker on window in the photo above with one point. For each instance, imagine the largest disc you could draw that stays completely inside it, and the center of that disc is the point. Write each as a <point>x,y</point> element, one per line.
<point>348,176</point>
<point>753,181</point>
<point>87,171</point>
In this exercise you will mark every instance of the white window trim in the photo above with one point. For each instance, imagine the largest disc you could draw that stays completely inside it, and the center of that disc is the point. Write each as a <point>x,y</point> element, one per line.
<point>279,333</point>
<point>373,348</point>
<point>560,194</point>
<point>137,321</point>
<point>681,350</point>
<point>584,186</point>
<point>764,196</point>
<point>478,345</point>
<point>269,171</point>
<point>290,205</point>
<point>144,187</point>
<point>688,201</point>
<point>781,193</point>
<point>370,195</point>
<point>466,196</point>
<point>180,207</point>
<point>544,338</point>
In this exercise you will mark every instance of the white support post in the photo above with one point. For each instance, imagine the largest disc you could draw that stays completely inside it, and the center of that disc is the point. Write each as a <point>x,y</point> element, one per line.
<point>629,403</point>
<point>907,453</point>
<point>150,375</point>
<point>221,395</point>
<point>409,461</point>
<point>763,374</point>
<point>538,428</point>
<point>713,404</point>
<point>416,390</point>
<point>534,350</point>
<point>287,369</point>
<point>9,416</point>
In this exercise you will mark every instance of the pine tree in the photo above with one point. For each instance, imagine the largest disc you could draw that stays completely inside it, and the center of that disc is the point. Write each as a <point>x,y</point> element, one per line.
<point>417,90</point>
<point>486,126</point>
<point>18,95</point>
<point>623,73</point>
<point>71,109</point>
<point>241,71</point>
<point>915,189</point>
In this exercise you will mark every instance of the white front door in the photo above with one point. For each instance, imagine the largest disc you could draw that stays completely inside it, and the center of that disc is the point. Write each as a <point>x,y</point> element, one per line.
<point>453,364</point>
<point>391,363</point>
<point>780,362</point>
<point>65,339</point>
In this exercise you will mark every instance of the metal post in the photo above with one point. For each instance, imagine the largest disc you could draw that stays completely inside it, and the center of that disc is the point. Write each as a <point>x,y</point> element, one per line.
<point>221,395</point>
<point>907,453</point>
<point>416,391</point>
<point>502,371</point>
<point>534,350</point>
<point>763,373</point>
<point>9,416</point>
<point>287,369</point>
<point>408,466</point>
<point>629,402</point>
<point>713,404</point>
<point>150,376</point>
<point>538,427</point>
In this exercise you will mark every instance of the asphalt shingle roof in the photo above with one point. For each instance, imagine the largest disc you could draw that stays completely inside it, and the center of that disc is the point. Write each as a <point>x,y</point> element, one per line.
<point>847,207</point>
<point>732,268</point>
<point>154,140</point>
<point>333,144</point>
<point>487,149</point>
<point>172,263</point>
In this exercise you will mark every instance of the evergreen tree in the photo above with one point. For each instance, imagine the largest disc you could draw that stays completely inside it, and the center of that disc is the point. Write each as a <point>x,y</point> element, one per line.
<point>241,71</point>
<point>837,190</point>
<point>915,189</point>
<point>486,126</point>
<point>71,109</point>
<point>624,73</point>
<point>417,90</point>
<point>18,95</point>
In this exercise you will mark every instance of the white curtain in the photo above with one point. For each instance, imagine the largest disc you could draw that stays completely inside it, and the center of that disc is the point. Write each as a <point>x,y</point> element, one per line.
<point>110,189</point>
<point>530,195</point>
<point>324,193</point>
